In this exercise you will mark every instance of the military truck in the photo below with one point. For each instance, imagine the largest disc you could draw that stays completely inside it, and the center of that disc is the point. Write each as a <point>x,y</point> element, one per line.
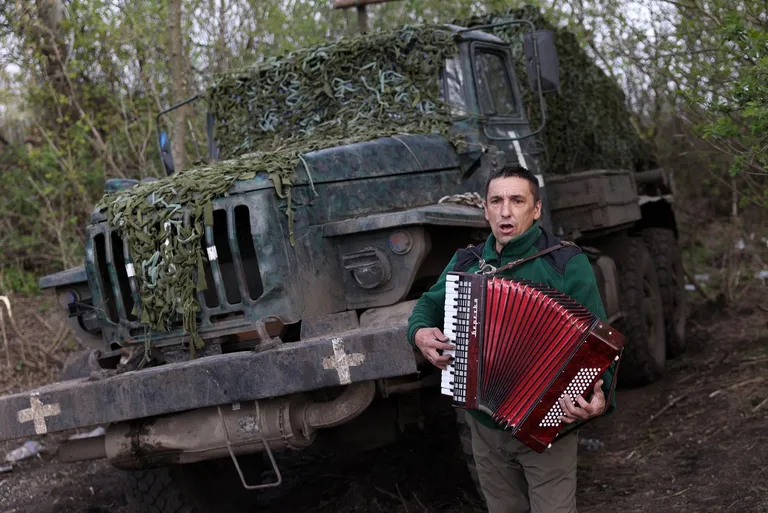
<point>305,342</point>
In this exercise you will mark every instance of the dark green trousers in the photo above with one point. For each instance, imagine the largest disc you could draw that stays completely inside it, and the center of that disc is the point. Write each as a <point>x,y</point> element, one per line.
<point>516,479</point>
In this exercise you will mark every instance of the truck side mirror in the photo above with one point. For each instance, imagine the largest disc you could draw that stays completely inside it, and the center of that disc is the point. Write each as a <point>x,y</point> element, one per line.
<point>541,53</point>
<point>165,153</point>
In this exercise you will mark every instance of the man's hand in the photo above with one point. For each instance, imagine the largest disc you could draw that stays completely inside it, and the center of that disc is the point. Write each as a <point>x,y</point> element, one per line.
<point>584,410</point>
<point>429,340</point>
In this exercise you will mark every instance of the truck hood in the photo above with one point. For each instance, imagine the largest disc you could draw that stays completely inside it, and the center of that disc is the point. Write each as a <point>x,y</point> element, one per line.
<point>385,156</point>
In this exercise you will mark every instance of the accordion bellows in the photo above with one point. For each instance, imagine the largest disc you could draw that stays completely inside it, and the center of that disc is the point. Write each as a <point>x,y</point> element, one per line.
<point>519,347</point>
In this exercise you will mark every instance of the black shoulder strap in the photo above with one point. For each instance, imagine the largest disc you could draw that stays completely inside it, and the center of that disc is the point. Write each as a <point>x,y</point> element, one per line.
<point>557,259</point>
<point>515,263</point>
<point>465,257</point>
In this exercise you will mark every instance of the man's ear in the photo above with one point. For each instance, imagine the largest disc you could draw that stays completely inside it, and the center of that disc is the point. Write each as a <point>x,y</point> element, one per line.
<point>485,211</point>
<point>537,211</point>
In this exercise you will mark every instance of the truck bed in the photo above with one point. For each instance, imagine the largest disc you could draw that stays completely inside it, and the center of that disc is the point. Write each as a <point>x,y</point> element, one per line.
<point>592,200</point>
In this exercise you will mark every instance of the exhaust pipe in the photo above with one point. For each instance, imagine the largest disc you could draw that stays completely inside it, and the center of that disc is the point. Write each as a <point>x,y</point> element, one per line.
<point>209,433</point>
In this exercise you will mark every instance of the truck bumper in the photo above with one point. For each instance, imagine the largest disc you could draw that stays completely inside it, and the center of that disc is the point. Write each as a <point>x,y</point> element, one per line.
<point>327,361</point>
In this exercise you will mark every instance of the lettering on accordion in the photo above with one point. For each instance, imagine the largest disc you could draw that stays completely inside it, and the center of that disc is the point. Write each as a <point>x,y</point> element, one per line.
<point>519,347</point>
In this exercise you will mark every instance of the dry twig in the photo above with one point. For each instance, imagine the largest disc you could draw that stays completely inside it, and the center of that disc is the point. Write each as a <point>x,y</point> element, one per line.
<point>737,385</point>
<point>61,336</point>
<point>25,346</point>
<point>43,321</point>
<point>405,506</point>
<point>762,403</point>
<point>5,340</point>
<point>670,404</point>
<point>389,494</point>
<point>752,361</point>
<point>674,494</point>
<point>426,509</point>
<point>696,286</point>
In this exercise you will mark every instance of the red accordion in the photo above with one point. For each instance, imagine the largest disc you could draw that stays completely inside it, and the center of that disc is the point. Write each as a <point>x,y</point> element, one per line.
<point>520,346</point>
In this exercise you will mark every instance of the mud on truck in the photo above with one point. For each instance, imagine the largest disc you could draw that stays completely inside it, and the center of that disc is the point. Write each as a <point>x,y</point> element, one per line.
<point>299,285</point>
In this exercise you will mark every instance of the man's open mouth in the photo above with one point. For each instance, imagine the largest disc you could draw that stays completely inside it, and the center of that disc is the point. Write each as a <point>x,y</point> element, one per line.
<point>506,227</point>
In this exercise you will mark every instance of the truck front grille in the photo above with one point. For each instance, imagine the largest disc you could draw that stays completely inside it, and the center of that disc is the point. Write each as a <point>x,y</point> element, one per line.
<point>232,274</point>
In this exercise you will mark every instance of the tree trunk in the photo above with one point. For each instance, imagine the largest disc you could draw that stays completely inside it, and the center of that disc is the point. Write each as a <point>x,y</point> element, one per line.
<point>223,61</point>
<point>178,85</point>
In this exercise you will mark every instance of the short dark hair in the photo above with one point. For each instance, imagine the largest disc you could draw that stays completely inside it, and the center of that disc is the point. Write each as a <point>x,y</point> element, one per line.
<point>511,170</point>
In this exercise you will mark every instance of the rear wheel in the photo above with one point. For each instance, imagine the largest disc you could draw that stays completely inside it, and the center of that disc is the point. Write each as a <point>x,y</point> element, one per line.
<point>665,253</point>
<point>643,321</point>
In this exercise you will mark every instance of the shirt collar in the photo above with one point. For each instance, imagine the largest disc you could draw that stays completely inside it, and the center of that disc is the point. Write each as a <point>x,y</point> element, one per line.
<point>514,248</point>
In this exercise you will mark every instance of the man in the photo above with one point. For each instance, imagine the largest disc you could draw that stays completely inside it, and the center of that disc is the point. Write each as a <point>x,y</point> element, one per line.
<point>513,477</point>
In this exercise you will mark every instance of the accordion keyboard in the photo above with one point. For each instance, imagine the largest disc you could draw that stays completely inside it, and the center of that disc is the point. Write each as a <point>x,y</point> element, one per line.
<point>456,328</point>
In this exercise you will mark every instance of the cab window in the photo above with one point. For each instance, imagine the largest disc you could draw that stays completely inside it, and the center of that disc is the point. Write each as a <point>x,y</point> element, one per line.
<point>453,86</point>
<point>494,88</point>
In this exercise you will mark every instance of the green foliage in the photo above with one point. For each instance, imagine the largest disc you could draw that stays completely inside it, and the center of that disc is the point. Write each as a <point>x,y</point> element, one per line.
<point>18,281</point>
<point>740,112</point>
<point>42,209</point>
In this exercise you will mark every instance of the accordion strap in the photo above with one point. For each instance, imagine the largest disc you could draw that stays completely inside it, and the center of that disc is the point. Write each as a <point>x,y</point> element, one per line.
<point>488,269</point>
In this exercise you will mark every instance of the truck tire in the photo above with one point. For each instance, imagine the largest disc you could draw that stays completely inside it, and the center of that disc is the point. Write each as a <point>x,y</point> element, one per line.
<point>205,487</point>
<point>155,491</point>
<point>642,324</point>
<point>665,252</point>
<point>76,366</point>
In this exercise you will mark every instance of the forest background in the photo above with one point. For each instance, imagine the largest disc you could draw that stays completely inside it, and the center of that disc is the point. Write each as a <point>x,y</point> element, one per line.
<point>81,82</point>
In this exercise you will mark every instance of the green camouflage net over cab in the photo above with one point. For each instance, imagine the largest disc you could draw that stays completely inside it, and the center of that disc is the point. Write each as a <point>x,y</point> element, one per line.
<point>268,115</point>
<point>588,123</point>
<point>355,89</point>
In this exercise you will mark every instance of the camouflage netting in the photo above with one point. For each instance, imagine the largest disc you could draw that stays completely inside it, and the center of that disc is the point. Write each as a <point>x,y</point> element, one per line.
<point>268,115</point>
<point>588,124</point>
<point>355,89</point>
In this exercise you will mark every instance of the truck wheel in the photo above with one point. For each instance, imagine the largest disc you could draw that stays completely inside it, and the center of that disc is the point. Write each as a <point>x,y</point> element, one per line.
<point>665,252</point>
<point>155,491</point>
<point>205,487</point>
<point>643,321</point>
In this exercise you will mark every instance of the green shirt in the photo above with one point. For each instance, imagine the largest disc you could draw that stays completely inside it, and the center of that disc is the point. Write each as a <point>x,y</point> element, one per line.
<point>577,281</point>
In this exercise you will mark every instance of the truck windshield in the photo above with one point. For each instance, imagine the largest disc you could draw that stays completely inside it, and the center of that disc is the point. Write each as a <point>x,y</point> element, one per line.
<point>494,88</point>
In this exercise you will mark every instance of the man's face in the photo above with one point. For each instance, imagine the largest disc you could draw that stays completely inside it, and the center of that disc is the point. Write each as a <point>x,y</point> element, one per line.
<point>510,208</point>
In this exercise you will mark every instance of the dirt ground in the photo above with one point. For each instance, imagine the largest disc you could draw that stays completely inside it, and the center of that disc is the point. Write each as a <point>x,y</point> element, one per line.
<point>696,441</point>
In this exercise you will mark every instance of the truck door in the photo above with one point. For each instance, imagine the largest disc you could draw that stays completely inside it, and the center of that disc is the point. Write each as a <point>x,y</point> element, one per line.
<point>503,120</point>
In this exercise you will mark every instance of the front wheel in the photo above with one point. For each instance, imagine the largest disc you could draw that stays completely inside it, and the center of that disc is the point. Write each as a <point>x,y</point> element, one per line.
<point>205,487</point>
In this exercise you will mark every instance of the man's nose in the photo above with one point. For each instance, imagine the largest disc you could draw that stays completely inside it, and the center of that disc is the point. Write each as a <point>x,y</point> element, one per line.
<point>506,211</point>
